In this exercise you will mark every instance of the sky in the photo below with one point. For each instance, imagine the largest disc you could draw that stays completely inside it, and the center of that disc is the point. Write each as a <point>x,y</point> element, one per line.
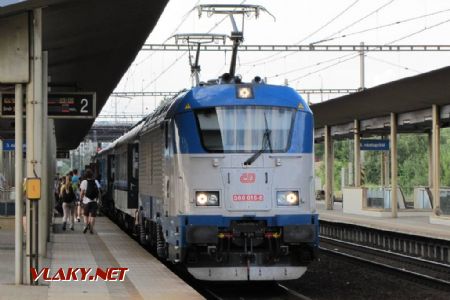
<point>9,2</point>
<point>345,22</point>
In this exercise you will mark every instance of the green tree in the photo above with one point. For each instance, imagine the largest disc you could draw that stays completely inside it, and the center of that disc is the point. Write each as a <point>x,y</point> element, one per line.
<point>445,157</point>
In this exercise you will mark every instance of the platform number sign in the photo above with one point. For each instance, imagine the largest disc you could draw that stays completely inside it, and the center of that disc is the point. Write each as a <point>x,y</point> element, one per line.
<point>60,105</point>
<point>73,105</point>
<point>84,105</point>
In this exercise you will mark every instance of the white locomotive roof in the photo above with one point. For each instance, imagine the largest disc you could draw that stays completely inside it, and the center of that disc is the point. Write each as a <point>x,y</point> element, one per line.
<point>150,121</point>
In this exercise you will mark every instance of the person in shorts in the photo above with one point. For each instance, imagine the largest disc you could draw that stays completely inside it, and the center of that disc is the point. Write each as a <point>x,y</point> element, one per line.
<point>76,188</point>
<point>90,191</point>
<point>67,196</point>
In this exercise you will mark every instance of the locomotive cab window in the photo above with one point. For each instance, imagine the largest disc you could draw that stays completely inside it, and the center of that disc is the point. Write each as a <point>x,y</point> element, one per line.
<point>245,128</point>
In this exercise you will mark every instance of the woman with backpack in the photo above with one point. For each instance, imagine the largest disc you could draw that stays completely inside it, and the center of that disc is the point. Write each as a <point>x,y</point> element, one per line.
<point>67,196</point>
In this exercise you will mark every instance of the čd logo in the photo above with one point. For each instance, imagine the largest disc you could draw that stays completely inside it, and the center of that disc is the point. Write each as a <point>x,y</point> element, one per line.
<point>248,178</point>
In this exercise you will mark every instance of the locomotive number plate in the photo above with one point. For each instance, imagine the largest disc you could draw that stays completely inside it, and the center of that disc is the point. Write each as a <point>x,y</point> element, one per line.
<point>248,197</point>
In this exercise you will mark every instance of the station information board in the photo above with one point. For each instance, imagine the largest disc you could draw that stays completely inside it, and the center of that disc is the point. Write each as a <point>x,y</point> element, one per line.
<point>10,145</point>
<point>62,154</point>
<point>374,145</point>
<point>60,105</point>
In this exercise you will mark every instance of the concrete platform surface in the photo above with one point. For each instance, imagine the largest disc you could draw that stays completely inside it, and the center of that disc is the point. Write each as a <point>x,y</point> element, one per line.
<point>108,247</point>
<point>409,224</point>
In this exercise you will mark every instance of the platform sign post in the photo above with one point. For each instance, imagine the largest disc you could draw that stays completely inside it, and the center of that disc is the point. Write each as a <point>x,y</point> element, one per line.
<point>357,153</point>
<point>436,160</point>
<point>34,139</point>
<point>394,165</point>
<point>43,209</point>
<point>18,184</point>
<point>328,168</point>
<point>15,69</point>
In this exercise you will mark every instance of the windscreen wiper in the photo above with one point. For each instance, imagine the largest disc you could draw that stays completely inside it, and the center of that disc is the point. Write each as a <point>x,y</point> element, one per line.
<point>266,143</point>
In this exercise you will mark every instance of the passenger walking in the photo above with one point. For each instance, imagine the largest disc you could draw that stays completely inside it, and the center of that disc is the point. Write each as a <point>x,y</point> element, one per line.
<point>89,193</point>
<point>68,200</point>
<point>56,187</point>
<point>58,203</point>
<point>76,189</point>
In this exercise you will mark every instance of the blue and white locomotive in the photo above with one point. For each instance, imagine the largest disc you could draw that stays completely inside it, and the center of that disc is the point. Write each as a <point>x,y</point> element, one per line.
<point>220,179</point>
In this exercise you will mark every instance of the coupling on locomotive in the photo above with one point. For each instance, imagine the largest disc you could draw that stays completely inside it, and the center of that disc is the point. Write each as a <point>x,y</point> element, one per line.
<point>220,179</point>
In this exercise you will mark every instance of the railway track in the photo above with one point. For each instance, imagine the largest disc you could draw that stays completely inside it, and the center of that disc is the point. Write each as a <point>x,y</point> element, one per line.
<point>228,291</point>
<point>411,245</point>
<point>433,273</point>
<point>253,291</point>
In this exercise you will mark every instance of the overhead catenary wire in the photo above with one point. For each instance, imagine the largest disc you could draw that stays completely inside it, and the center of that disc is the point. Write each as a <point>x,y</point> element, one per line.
<point>393,64</point>
<point>348,26</point>
<point>184,53</point>
<point>309,66</point>
<point>378,27</point>
<point>322,63</point>
<point>329,22</point>
<point>383,26</point>
<point>177,59</point>
<point>134,66</point>
<point>183,20</point>
<point>357,21</point>
<point>337,58</point>
<point>389,43</point>
<point>352,56</point>
<point>419,31</point>
<point>341,13</point>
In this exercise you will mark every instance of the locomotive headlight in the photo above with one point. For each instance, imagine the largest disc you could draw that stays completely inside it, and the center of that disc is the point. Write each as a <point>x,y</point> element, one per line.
<point>207,198</point>
<point>292,198</point>
<point>214,199</point>
<point>202,199</point>
<point>244,92</point>
<point>287,198</point>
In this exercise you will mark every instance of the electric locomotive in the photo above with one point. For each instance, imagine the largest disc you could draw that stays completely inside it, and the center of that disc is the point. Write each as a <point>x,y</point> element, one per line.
<point>220,179</point>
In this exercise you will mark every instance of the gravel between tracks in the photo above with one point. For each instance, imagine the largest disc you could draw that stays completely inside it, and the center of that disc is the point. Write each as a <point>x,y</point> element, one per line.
<point>334,277</point>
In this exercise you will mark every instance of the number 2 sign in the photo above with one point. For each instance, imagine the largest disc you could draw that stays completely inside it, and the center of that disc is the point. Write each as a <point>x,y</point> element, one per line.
<point>60,105</point>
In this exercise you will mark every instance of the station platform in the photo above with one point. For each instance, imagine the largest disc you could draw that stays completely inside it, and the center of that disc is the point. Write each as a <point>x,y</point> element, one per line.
<point>408,224</point>
<point>108,247</point>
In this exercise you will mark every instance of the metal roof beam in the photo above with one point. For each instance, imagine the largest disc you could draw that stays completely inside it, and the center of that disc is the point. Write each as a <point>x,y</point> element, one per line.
<point>297,48</point>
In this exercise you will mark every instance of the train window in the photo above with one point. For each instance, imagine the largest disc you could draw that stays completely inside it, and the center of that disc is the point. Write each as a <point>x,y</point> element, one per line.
<point>166,134</point>
<point>136,161</point>
<point>245,128</point>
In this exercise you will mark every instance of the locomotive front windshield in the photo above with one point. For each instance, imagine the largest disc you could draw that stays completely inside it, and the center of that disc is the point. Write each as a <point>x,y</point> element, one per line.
<point>245,128</point>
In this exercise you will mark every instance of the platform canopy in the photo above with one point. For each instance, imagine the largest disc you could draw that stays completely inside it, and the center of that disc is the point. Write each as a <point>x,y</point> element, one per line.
<point>90,44</point>
<point>401,96</point>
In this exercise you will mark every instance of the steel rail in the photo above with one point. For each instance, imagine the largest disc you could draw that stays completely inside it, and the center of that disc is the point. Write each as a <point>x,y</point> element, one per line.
<point>387,252</point>
<point>294,293</point>
<point>384,265</point>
